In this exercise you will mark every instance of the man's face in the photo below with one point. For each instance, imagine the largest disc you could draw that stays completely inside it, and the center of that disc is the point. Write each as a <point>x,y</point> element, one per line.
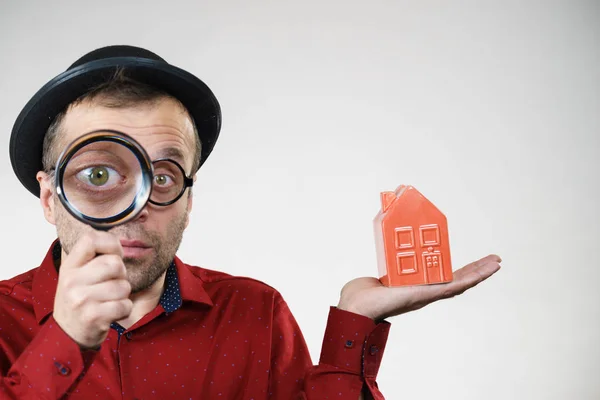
<point>151,240</point>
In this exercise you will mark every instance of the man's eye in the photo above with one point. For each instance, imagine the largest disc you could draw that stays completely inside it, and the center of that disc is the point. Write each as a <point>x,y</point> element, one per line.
<point>163,180</point>
<point>98,176</point>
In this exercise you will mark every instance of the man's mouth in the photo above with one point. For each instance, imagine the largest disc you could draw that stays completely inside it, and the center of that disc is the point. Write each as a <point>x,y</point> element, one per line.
<point>135,248</point>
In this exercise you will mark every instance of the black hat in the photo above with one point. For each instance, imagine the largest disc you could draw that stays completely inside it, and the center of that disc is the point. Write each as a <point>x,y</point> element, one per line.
<point>91,70</point>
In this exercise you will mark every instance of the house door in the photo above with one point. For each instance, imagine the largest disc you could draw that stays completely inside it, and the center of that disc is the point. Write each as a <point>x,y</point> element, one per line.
<point>431,253</point>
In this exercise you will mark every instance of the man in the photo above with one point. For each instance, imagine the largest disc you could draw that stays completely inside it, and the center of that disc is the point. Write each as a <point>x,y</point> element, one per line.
<point>118,315</point>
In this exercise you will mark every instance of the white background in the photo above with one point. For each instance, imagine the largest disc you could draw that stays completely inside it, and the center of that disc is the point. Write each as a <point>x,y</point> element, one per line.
<point>489,108</point>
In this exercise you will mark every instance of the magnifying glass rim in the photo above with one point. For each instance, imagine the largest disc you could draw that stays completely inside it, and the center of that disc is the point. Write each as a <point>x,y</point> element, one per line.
<point>142,196</point>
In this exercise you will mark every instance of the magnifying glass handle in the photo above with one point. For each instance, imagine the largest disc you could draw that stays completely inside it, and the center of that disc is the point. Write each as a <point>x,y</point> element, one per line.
<point>99,227</point>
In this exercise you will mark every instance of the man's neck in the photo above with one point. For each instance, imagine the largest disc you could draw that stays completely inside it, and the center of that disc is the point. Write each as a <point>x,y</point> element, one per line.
<point>144,301</point>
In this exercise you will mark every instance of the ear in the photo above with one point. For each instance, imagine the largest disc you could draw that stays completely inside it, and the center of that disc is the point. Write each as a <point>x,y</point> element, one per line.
<point>46,196</point>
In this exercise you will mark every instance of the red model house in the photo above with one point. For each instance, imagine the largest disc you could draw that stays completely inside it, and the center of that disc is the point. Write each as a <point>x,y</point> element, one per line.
<point>411,237</point>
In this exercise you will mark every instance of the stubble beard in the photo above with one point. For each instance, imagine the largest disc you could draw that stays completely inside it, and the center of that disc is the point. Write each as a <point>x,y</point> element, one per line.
<point>141,272</point>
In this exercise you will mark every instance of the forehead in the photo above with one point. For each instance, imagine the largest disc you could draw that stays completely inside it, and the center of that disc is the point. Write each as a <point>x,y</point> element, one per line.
<point>163,127</point>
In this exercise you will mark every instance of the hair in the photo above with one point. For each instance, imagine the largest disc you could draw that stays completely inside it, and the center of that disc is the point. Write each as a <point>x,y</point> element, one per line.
<point>120,91</point>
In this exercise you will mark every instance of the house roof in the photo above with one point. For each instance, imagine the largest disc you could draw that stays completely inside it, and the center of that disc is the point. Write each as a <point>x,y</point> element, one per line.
<point>403,193</point>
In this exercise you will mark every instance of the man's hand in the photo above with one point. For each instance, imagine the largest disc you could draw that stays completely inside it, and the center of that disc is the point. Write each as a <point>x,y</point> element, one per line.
<point>93,289</point>
<point>368,297</point>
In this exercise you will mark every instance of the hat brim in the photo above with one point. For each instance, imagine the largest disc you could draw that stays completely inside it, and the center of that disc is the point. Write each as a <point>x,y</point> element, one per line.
<point>27,138</point>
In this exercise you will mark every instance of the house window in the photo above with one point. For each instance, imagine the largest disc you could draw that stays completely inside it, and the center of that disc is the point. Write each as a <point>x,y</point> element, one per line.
<point>430,235</point>
<point>406,262</point>
<point>405,238</point>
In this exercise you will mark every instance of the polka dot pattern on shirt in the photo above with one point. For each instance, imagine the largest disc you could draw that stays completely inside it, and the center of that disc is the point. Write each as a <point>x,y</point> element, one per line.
<point>170,300</point>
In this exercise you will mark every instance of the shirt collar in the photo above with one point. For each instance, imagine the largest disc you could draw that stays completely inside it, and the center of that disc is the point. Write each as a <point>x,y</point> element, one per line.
<point>181,285</point>
<point>191,283</point>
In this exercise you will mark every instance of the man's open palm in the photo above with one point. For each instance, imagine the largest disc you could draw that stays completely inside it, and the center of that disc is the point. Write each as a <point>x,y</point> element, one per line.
<point>368,297</point>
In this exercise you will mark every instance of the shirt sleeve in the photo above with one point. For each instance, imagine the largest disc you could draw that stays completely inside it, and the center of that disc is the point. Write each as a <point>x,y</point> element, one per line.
<point>351,354</point>
<point>48,366</point>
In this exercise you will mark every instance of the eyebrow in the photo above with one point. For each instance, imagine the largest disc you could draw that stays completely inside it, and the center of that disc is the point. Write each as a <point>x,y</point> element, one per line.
<point>173,153</point>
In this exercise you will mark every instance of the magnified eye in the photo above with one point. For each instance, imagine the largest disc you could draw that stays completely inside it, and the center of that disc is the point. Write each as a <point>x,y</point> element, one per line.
<point>99,176</point>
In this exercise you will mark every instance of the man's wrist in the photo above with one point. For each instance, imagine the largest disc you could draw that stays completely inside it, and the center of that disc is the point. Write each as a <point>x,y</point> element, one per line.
<point>349,307</point>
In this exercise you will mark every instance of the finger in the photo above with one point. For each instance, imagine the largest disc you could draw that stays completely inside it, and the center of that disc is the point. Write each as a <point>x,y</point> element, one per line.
<point>479,267</point>
<point>470,276</point>
<point>488,258</point>
<point>116,289</point>
<point>110,311</point>
<point>102,268</point>
<point>89,246</point>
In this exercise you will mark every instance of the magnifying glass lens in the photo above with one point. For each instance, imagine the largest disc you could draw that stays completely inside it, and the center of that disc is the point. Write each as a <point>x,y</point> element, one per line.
<point>102,179</point>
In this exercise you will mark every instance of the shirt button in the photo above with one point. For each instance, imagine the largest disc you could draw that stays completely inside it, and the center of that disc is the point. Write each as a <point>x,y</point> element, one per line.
<point>14,377</point>
<point>128,335</point>
<point>373,350</point>
<point>349,344</point>
<point>62,369</point>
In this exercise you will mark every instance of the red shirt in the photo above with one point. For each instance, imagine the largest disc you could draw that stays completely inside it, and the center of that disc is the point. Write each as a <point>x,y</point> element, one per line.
<point>227,338</point>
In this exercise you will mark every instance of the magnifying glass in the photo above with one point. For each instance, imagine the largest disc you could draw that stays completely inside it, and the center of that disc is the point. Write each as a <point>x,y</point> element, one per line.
<point>104,178</point>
